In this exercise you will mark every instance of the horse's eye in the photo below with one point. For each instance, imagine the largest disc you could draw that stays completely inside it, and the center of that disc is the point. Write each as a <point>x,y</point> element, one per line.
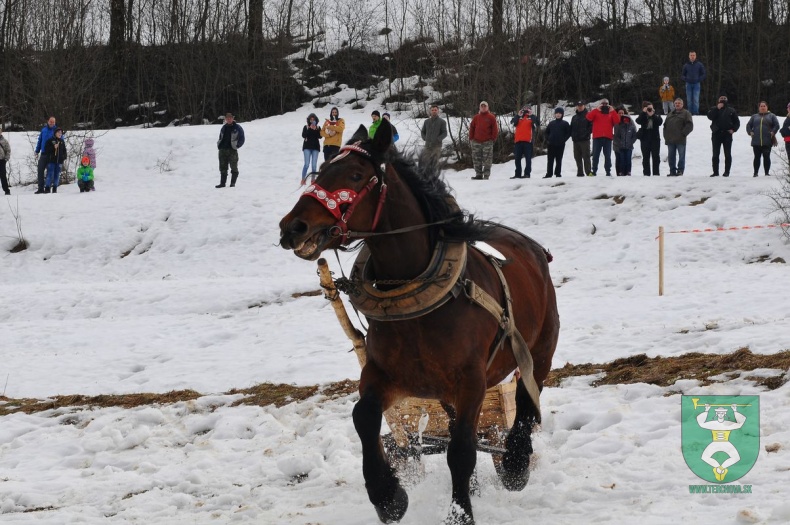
<point>356,177</point>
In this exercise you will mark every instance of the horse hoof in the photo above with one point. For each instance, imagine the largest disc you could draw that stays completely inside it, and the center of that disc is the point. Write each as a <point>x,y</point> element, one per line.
<point>393,510</point>
<point>458,516</point>
<point>514,481</point>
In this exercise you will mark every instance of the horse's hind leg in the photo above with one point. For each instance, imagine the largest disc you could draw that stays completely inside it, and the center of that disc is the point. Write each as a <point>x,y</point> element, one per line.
<point>514,472</point>
<point>462,456</point>
<point>384,490</point>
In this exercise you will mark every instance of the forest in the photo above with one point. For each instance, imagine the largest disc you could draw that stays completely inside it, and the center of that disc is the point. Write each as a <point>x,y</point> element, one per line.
<point>108,63</point>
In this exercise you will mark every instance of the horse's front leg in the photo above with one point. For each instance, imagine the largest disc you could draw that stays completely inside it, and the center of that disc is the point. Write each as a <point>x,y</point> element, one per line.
<point>462,453</point>
<point>384,490</point>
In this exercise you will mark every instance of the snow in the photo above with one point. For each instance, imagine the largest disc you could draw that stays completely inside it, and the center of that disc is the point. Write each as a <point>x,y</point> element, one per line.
<point>159,282</point>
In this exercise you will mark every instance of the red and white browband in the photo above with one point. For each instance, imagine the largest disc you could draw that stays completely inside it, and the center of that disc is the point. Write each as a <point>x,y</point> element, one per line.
<point>333,201</point>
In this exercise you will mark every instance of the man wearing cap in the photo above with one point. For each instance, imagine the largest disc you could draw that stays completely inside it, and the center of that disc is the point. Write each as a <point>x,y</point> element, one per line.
<point>231,138</point>
<point>603,122</point>
<point>483,131</point>
<point>724,122</point>
<point>581,130</point>
<point>557,134</point>
<point>524,124</point>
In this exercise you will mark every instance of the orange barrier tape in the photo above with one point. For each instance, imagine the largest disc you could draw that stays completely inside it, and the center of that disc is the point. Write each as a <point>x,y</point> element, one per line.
<point>733,228</point>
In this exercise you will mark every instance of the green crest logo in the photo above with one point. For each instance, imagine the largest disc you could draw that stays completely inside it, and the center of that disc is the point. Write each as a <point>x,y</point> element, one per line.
<point>720,435</point>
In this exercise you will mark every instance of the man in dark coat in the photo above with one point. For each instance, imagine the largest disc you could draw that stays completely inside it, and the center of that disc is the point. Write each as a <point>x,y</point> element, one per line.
<point>231,138</point>
<point>724,122</point>
<point>650,138</point>
<point>581,131</point>
<point>557,134</point>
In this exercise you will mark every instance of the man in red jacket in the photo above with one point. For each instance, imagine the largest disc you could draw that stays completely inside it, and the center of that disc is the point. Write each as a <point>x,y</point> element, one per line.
<point>603,119</point>
<point>483,132</point>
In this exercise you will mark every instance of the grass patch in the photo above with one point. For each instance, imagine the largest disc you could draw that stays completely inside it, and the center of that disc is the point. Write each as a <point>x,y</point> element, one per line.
<point>665,371</point>
<point>661,371</point>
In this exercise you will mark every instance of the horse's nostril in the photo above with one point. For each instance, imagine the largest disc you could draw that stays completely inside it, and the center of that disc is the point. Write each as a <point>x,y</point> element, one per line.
<point>297,227</point>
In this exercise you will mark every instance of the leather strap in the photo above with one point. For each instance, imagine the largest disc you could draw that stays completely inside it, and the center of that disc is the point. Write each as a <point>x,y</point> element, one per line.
<point>508,328</point>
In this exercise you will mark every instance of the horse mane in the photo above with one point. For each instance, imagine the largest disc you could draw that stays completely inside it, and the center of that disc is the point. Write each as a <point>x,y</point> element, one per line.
<point>436,199</point>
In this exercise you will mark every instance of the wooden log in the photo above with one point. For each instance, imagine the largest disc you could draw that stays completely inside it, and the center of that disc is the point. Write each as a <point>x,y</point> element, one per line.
<point>358,340</point>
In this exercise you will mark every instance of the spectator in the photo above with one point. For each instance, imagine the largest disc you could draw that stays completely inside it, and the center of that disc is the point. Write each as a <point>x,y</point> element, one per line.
<point>650,138</point>
<point>85,175</point>
<point>311,146</point>
<point>231,138</point>
<point>762,128</point>
<point>725,122</point>
<point>434,131</point>
<point>47,132</point>
<point>677,127</point>
<point>525,124</point>
<point>693,75</point>
<point>667,94</point>
<point>483,131</point>
<point>616,141</point>
<point>785,132</point>
<point>5,154</point>
<point>603,122</point>
<point>89,152</point>
<point>557,134</point>
<point>624,138</point>
<point>55,150</point>
<point>332,132</point>
<point>581,130</point>
<point>395,136</point>
<point>376,117</point>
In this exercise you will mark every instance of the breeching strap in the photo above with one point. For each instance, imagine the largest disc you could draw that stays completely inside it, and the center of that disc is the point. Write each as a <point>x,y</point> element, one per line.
<point>507,326</point>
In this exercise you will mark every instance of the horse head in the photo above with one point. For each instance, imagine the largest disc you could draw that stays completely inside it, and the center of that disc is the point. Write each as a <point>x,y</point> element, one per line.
<point>347,195</point>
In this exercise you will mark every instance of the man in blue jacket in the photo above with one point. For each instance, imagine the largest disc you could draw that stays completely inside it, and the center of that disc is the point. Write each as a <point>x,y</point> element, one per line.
<point>693,74</point>
<point>47,132</point>
<point>231,138</point>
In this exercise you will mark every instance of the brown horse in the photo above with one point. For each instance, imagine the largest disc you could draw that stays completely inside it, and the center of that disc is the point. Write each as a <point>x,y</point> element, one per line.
<point>369,191</point>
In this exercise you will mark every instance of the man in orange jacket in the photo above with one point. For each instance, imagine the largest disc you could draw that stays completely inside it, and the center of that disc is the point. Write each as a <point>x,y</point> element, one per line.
<point>525,124</point>
<point>483,132</point>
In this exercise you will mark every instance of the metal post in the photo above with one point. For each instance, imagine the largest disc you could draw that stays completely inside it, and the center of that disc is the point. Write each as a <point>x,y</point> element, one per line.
<point>660,261</point>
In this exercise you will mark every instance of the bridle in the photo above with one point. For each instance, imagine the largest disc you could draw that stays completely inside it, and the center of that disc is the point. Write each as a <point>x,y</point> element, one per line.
<point>342,203</point>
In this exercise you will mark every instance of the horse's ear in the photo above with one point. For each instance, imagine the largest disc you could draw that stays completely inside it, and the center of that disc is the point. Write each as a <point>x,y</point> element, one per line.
<point>383,138</point>
<point>361,134</point>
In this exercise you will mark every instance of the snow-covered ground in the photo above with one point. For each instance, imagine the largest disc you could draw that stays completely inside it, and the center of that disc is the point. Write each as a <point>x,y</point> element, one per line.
<point>158,281</point>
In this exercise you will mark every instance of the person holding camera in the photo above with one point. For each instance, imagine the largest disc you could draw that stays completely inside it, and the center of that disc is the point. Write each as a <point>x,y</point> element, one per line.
<point>332,133</point>
<point>724,122</point>
<point>311,137</point>
<point>525,124</point>
<point>649,136</point>
<point>603,122</point>
<point>581,130</point>
<point>677,127</point>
